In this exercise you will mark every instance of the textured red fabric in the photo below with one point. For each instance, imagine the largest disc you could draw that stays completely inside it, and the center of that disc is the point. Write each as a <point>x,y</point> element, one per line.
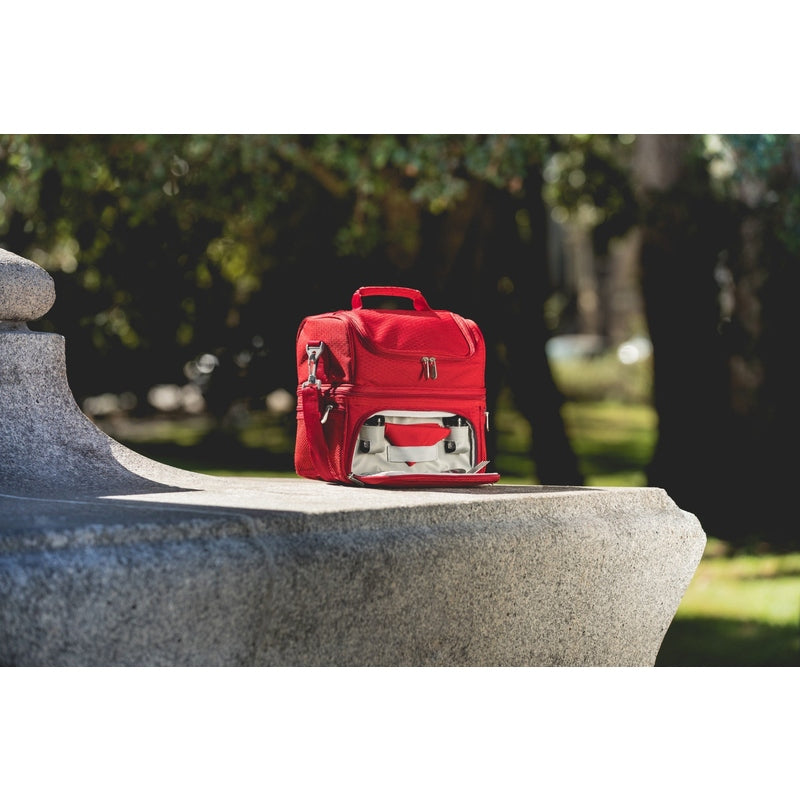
<point>422,435</point>
<point>425,332</point>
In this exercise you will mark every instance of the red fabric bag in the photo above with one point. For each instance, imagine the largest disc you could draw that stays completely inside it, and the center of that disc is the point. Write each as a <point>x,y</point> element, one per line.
<point>391,397</point>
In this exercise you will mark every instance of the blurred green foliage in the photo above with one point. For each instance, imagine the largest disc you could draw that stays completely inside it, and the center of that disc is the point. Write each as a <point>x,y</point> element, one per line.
<point>204,217</point>
<point>167,246</point>
<point>164,247</point>
<point>768,165</point>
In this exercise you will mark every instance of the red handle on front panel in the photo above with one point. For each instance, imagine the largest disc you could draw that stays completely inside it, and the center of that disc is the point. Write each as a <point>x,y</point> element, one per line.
<point>420,303</point>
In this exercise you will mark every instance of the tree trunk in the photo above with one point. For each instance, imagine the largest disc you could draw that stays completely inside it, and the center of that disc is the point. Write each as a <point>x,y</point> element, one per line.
<point>764,274</point>
<point>681,238</point>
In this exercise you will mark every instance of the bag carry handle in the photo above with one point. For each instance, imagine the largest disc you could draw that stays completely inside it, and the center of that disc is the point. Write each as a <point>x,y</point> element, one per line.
<point>420,303</point>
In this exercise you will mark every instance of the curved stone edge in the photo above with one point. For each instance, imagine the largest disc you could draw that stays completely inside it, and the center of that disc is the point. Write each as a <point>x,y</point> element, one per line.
<point>576,583</point>
<point>49,445</point>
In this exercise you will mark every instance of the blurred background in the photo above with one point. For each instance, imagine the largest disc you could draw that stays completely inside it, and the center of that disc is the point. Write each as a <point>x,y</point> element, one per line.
<point>636,293</point>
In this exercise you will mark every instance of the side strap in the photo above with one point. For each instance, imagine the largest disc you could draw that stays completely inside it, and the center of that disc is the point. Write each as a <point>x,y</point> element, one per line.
<point>312,417</point>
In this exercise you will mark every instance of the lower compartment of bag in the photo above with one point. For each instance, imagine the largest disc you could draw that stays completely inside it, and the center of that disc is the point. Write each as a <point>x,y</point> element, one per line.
<point>405,447</point>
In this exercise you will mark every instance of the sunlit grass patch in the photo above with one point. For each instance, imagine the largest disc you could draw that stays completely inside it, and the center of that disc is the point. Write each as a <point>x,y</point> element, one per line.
<point>761,588</point>
<point>604,376</point>
<point>613,441</point>
<point>741,610</point>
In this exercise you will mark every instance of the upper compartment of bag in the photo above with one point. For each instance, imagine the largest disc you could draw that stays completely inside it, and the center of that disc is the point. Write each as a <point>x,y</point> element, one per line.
<point>414,333</point>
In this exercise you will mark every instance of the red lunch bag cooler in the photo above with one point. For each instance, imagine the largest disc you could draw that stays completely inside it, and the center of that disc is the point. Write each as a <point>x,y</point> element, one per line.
<point>391,397</point>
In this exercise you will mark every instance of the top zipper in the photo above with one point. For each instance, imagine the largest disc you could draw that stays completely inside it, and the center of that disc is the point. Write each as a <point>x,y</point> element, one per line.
<point>429,368</point>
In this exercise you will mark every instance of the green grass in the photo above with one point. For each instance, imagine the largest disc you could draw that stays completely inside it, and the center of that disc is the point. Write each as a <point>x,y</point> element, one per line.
<point>604,378</point>
<point>262,446</point>
<point>608,416</point>
<point>613,441</point>
<point>739,610</point>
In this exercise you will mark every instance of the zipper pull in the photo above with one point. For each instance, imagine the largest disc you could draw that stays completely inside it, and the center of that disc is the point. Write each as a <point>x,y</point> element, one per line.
<point>429,366</point>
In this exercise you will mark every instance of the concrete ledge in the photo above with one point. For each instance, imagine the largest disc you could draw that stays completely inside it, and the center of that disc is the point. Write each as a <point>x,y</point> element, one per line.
<point>293,572</point>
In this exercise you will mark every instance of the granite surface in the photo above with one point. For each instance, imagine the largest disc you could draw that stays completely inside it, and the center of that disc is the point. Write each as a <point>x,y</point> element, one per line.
<point>290,572</point>
<point>27,292</point>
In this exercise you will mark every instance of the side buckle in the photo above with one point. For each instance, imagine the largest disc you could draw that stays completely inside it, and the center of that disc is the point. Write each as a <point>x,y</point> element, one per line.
<point>314,352</point>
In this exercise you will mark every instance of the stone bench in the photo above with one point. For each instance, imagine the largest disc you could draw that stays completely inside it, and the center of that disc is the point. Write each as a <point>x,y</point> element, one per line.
<point>109,558</point>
